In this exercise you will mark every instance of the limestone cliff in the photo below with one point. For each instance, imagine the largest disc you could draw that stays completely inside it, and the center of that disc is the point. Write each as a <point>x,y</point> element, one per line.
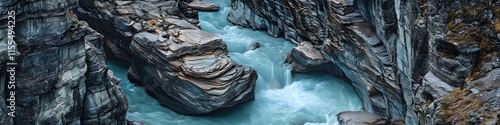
<point>61,77</point>
<point>397,53</point>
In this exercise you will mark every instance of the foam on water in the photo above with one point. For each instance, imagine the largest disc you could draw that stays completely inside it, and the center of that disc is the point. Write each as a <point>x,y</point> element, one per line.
<point>280,99</point>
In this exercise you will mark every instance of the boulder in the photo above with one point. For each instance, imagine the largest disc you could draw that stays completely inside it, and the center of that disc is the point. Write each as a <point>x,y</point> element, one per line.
<point>254,46</point>
<point>305,58</point>
<point>191,72</point>
<point>186,69</point>
<point>435,87</point>
<point>361,118</point>
<point>203,6</point>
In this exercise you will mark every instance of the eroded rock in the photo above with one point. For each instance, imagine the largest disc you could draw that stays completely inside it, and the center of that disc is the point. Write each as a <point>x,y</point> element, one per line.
<point>305,58</point>
<point>191,73</point>
<point>204,6</point>
<point>435,87</point>
<point>186,69</point>
<point>361,118</point>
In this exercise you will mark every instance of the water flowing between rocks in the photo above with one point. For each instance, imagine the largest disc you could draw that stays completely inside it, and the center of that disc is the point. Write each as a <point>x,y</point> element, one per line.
<point>279,98</point>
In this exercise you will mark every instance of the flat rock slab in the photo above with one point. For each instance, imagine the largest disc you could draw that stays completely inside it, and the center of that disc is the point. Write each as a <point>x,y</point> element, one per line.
<point>435,87</point>
<point>308,50</point>
<point>361,118</point>
<point>203,6</point>
<point>197,37</point>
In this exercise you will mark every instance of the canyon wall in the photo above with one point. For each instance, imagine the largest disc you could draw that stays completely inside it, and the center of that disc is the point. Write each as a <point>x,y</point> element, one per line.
<point>61,77</point>
<point>400,55</point>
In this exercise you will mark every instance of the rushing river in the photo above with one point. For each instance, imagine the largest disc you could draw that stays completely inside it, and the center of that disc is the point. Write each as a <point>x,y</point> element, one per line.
<point>279,98</point>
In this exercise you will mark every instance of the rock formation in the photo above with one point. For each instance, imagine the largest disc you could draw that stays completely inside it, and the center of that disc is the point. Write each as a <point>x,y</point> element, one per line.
<point>361,118</point>
<point>186,69</point>
<point>191,73</point>
<point>386,47</point>
<point>61,77</point>
<point>305,58</point>
<point>204,6</point>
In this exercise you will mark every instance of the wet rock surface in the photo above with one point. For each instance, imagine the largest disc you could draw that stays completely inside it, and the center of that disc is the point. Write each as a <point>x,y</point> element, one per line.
<point>62,78</point>
<point>186,69</point>
<point>386,47</point>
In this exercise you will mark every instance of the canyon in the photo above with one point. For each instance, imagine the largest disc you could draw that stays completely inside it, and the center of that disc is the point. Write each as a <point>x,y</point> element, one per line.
<point>409,62</point>
<point>403,57</point>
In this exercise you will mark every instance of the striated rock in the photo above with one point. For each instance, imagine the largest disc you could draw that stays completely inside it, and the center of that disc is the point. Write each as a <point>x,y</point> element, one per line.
<point>346,38</point>
<point>361,118</point>
<point>305,58</point>
<point>61,78</point>
<point>203,6</point>
<point>191,73</point>
<point>186,69</point>
<point>101,83</point>
<point>118,21</point>
<point>386,47</point>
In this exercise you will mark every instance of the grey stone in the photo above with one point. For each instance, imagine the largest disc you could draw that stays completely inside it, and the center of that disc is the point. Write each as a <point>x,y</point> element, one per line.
<point>254,46</point>
<point>190,72</point>
<point>137,27</point>
<point>474,91</point>
<point>121,3</point>
<point>435,87</point>
<point>59,70</point>
<point>361,118</point>
<point>305,58</point>
<point>203,6</point>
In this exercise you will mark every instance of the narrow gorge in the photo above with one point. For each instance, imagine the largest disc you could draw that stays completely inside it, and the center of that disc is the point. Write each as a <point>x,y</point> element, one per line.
<point>226,62</point>
<point>403,57</point>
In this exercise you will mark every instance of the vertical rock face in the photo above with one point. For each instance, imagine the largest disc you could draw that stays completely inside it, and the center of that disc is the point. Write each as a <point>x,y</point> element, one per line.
<point>386,47</point>
<point>186,69</point>
<point>61,78</point>
<point>119,20</point>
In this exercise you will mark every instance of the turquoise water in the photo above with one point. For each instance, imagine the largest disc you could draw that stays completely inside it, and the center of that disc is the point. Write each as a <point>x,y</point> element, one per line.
<point>280,99</point>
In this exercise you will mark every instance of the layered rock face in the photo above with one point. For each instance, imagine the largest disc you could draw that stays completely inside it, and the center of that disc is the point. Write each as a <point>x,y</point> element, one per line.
<point>398,54</point>
<point>186,69</point>
<point>120,20</point>
<point>61,76</point>
<point>191,73</point>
